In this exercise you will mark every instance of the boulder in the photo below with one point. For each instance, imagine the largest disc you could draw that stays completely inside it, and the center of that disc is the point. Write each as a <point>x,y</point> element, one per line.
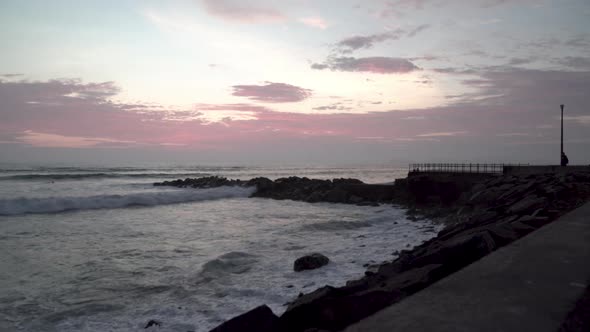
<point>262,184</point>
<point>527,204</point>
<point>333,313</point>
<point>355,199</point>
<point>333,309</point>
<point>153,322</point>
<point>260,319</point>
<point>336,195</point>
<point>310,262</point>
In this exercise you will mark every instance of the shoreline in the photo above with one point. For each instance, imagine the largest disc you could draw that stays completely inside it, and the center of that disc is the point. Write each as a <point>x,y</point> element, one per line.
<point>481,214</point>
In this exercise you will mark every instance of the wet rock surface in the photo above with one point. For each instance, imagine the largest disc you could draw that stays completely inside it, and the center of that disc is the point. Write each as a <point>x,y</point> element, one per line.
<point>351,191</point>
<point>481,218</point>
<point>310,262</point>
<point>260,319</point>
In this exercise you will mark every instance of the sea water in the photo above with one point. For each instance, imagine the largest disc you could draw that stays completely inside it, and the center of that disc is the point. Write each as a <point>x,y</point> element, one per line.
<point>102,249</point>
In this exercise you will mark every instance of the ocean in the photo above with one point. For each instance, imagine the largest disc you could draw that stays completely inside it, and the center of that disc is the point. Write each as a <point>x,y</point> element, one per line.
<point>102,249</point>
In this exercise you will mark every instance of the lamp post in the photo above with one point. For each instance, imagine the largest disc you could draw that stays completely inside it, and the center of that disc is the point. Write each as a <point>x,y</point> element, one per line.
<point>561,154</point>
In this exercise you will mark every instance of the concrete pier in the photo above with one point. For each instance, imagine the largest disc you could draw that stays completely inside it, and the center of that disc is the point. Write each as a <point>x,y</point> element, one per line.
<point>529,285</point>
<point>540,169</point>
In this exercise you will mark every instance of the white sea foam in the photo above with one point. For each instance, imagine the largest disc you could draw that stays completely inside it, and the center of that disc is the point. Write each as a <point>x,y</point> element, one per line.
<point>18,206</point>
<point>190,266</point>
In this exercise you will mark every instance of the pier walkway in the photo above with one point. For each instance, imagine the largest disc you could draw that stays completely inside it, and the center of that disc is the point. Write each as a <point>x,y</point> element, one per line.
<point>529,285</point>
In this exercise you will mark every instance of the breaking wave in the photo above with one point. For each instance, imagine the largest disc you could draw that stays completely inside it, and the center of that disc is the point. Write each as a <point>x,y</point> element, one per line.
<point>84,176</point>
<point>23,205</point>
<point>234,262</point>
<point>336,225</point>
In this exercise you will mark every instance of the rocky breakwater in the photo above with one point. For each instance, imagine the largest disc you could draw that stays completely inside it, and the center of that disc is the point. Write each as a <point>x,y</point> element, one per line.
<point>492,214</point>
<point>350,191</point>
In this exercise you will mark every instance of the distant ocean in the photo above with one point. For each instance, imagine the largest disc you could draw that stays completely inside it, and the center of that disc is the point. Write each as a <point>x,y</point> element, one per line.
<point>101,249</point>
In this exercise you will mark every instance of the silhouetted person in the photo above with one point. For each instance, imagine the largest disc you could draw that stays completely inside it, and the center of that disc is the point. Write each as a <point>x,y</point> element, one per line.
<point>564,160</point>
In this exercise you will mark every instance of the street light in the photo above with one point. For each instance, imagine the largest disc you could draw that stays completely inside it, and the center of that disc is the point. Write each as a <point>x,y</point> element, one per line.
<point>561,154</point>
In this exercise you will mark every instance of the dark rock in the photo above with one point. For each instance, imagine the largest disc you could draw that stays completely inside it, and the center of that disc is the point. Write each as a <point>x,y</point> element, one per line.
<point>335,312</point>
<point>350,191</point>
<point>355,199</point>
<point>336,195</point>
<point>520,228</point>
<point>482,214</point>
<point>262,184</point>
<point>343,181</point>
<point>153,322</point>
<point>310,262</point>
<point>333,309</point>
<point>453,253</point>
<point>534,221</point>
<point>260,319</point>
<point>367,203</point>
<point>527,204</point>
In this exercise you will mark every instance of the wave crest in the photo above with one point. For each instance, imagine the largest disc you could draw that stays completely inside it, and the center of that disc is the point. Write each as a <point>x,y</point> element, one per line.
<point>84,176</point>
<point>234,262</point>
<point>23,205</point>
<point>335,225</point>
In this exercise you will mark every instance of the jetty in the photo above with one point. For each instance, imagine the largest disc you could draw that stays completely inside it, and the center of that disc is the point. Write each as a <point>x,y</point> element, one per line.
<point>529,285</point>
<point>495,259</point>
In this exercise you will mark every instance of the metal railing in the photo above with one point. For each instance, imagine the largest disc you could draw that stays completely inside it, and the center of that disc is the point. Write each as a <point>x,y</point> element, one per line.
<point>459,168</point>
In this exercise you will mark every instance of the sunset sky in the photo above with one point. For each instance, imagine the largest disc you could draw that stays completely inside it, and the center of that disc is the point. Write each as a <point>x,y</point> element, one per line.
<point>260,81</point>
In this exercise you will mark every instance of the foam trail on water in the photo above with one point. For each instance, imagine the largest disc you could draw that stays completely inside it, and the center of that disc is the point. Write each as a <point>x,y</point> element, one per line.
<point>87,176</point>
<point>18,206</point>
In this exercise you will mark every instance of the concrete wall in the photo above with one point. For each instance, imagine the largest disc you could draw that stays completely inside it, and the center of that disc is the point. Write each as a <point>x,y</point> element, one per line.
<point>540,169</point>
<point>444,188</point>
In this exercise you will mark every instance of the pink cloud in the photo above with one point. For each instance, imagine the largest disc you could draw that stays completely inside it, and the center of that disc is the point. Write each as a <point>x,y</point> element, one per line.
<point>443,134</point>
<point>314,22</point>
<point>272,92</point>
<point>243,12</point>
<point>61,141</point>
<point>69,113</point>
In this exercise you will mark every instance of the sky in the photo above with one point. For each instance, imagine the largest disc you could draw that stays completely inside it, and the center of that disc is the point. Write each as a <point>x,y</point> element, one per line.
<point>294,81</point>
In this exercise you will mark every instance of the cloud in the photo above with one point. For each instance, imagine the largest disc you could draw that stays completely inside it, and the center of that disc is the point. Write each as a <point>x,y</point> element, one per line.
<point>533,88</point>
<point>314,22</point>
<point>378,65</point>
<point>70,113</point>
<point>333,107</point>
<point>443,134</point>
<point>418,29</point>
<point>243,12</point>
<point>272,92</point>
<point>575,62</point>
<point>455,71</point>
<point>354,43</point>
<point>513,100</point>
<point>425,58</point>
<point>512,134</point>
<point>11,75</point>
<point>581,119</point>
<point>360,42</point>
<point>580,41</point>
<point>60,141</point>
<point>521,61</point>
<point>58,92</point>
<point>211,113</point>
<point>398,7</point>
<point>402,7</point>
